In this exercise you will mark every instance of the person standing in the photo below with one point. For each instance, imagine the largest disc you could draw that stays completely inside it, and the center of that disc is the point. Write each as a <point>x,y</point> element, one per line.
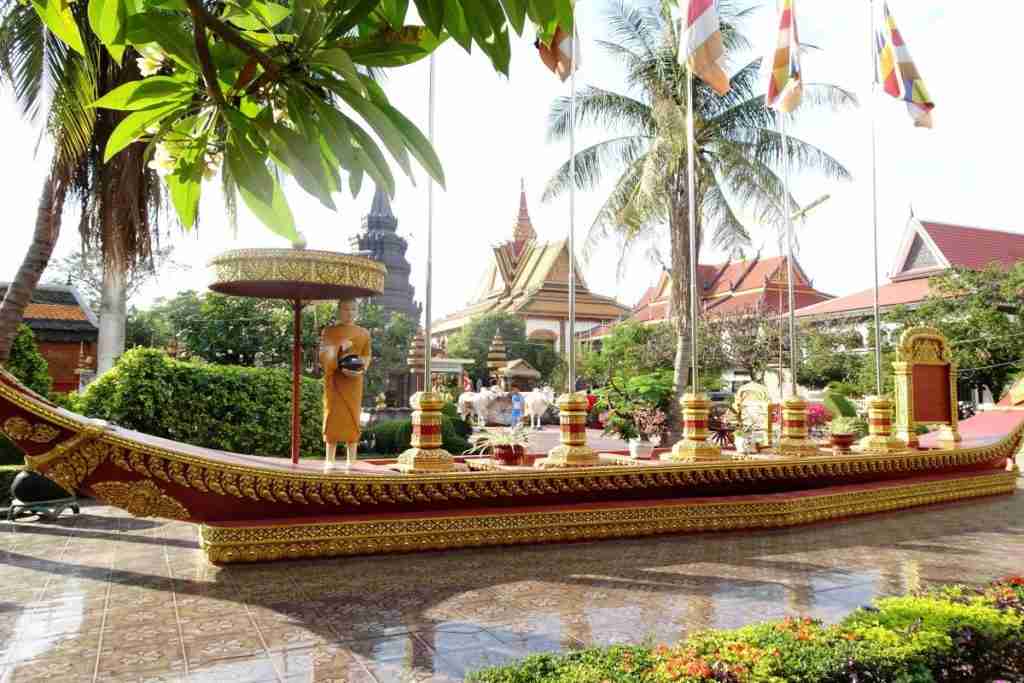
<point>517,407</point>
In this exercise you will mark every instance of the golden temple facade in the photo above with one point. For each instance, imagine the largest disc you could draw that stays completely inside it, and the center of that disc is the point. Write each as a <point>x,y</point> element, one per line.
<point>530,279</point>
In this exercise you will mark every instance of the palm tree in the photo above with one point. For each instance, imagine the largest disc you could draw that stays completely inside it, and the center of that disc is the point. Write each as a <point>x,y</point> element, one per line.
<point>738,155</point>
<point>119,201</point>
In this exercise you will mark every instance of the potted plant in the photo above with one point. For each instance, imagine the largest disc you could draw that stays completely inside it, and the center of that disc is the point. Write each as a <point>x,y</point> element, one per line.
<point>842,432</point>
<point>745,438</point>
<point>506,445</point>
<point>651,424</point>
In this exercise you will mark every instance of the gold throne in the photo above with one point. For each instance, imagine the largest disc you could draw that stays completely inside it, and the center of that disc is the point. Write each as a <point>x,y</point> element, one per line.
<point>925,378</point>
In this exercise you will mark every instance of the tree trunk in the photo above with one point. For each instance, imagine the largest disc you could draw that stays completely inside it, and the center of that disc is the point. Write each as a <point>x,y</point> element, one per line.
<point>44,239</point>
<point>113,316</point>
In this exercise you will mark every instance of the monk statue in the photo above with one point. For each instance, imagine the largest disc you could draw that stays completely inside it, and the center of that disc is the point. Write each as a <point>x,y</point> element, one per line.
<point>344,356</point>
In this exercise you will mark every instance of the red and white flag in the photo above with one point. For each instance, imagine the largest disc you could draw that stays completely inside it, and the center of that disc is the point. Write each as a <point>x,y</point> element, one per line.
<point>785,79</point>
<point>562,57</point>
<point>700,46</point>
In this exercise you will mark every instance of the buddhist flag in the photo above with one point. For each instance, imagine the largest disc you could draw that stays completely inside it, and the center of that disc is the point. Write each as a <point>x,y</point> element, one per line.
<point>898,74</point>
<point>700,46</point>
<point>785,80</point>
<point>558,56</point>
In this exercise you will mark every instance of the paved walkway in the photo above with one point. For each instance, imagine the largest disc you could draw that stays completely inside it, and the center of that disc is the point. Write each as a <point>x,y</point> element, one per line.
<point>105,597</point>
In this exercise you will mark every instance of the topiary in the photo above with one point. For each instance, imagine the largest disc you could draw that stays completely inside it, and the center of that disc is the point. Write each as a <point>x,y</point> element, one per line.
<point>27,364</point>
<point>839,405</point>
<point>392,437</point>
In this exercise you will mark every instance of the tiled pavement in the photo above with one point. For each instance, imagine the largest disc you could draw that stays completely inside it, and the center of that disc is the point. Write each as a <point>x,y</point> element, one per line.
<point>105,597</point>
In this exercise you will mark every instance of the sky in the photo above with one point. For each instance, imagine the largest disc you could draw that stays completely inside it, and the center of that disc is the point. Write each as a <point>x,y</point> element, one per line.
<point>490,132</point>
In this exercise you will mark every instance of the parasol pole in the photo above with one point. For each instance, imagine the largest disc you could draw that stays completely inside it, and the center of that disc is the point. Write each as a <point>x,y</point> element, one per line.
<point>572,210</point>
<point>427,385</point>
<point>296,377</point>
<point>874,203</point>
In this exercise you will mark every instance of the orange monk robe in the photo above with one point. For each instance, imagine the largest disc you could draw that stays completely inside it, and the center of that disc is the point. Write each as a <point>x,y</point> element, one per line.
<point>343,395</point>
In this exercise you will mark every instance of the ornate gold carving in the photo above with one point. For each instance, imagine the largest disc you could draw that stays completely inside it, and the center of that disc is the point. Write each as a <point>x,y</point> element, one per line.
<point>77,464</point>
<point>294,265</point>
<point>922,346</point>
<point>225,544</point>
<point>20,429</point>
<point>141,498</point>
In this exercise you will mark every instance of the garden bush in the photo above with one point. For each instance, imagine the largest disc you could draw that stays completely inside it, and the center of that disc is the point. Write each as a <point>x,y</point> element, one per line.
<point>9,453</point>
<point>392,437</point>
<point>951,634</point>
<point>246,410</point>
<point>462,428</point>
<point>27,364</point>
<point>839,405</point>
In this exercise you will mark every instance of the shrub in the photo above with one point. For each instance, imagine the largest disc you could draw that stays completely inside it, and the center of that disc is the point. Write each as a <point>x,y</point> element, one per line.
<point>948,634</point>
<point>246,410</point>
<point>27,364</point>
<point>392,437</point>
<point>462,428</point>
<point>839,405</point>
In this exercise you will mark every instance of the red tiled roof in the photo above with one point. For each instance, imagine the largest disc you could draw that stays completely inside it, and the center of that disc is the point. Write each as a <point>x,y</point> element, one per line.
<point>53,312</point>
<point>892,294</point>
<point>976,248</point>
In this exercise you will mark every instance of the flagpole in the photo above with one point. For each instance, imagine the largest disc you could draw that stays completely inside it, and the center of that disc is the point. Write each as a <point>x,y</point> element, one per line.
<point>427,384</point>
<point>874,200</point>
<point>572,210</point>
<point>691,164</point>
<point>789,256</point>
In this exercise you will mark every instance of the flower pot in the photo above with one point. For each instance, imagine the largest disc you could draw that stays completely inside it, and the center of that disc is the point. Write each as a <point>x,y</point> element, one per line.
<point>509,455</point>
<point>639,448</point>
<point>842,442</point>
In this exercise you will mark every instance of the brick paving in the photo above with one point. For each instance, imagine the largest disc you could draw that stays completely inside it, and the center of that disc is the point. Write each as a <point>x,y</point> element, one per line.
<point>106,597</point>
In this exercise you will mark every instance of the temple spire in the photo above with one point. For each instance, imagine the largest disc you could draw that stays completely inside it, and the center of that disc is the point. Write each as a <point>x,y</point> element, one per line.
<point>381,217</point>
<point>523,231</point>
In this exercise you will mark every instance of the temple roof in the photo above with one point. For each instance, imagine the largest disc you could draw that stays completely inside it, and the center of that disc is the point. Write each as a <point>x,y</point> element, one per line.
<point>927,248</point>
<point>529,277</point>
<point>58,313</point>
<point>381,217</point>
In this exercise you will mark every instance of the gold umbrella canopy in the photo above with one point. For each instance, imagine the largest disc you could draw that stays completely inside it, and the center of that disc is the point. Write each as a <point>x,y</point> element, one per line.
<point>296,274</point>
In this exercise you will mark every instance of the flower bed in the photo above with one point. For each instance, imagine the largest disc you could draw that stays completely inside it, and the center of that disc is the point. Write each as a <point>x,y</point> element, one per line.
<point>950,634</point>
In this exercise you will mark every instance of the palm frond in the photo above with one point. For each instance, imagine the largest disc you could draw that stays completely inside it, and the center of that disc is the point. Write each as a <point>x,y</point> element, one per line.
<point>593,162</point>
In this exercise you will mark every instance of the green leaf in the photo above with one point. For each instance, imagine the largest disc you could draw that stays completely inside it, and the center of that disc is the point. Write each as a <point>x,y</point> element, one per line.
<point>414,140</point>
<point>369,157</point>
<point>355,181</point>
<point>185,185</point>
<point>394,12</point>
<point>303,160</point>
<point>259,188</point>
<point>135,124</point>
<point>144,93</point>
<point>173,5</point>
<point>455,22</point>
<point>380,123</point>
<point>354,17</point>
<point>389,48</point>
<point>256,15</point>
<point>340,61</point>
<point>107,19</point>
<point>57,16</point>
<point>310,27</point>
<point>516,12</point>
<point>432,13</point>
<point>168,32</point>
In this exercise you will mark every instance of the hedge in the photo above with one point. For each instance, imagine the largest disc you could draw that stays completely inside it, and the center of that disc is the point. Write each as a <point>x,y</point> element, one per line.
<point>246,410</point>
<point>392,437</point>
<point>948,634</point>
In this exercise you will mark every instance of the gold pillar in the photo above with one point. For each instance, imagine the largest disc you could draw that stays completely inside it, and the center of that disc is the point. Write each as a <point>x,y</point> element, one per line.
<point>573,451</point>
<point>880,438</point>
<point>426,454</point>
<point>793,436</point>
<point>903,379</point>
<point>694,446</point>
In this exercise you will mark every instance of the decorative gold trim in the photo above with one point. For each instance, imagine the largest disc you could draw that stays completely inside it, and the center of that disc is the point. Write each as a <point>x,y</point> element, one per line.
<point>141,498</point>
<point>922,346</point>
<point>20,429</point>
<point>226,544</point>
<point>298,265</point>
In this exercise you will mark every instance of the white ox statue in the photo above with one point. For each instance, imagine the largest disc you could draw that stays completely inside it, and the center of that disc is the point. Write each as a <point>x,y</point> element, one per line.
<point>473,406</point>
<point>537,403</point>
